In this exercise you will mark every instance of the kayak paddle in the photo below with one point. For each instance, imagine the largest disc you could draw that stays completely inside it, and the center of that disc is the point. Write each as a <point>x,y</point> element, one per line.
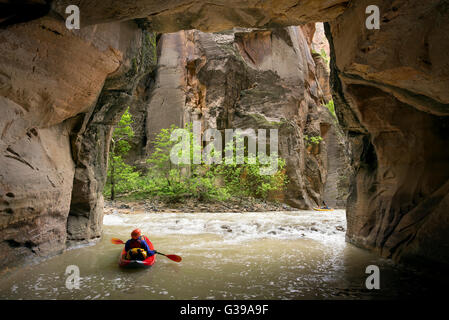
<point>173,257</point>
<point>116,241</point>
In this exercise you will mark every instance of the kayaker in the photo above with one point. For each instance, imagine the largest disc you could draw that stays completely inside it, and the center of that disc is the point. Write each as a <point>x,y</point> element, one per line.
<point>138,241</point>
<point>325,206</point>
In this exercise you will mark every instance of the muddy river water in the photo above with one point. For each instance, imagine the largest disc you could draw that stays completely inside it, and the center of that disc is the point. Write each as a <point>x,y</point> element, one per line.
<point>272,255</point>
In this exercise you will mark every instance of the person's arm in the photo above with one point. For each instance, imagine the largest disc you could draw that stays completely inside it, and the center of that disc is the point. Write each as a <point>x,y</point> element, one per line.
<point>147,248</point>
<point>127,246</point>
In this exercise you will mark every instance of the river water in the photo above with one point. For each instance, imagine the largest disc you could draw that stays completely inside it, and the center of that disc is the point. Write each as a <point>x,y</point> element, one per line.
<point>272,255</point>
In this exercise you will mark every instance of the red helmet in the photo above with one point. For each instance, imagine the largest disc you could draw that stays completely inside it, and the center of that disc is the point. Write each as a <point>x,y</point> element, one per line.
<point>136,233</point>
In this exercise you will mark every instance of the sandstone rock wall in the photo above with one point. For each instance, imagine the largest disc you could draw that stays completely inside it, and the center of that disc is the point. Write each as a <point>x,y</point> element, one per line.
<point>90,143</point>
<point>391,87</point>
<point>251,79</point>
<point>208,16</point>
<point>168,95</point>
<point>61,93</point>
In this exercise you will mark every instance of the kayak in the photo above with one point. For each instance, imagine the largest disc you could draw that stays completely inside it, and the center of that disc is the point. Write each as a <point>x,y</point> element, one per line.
<point>148,262</point>
<point>319,209</point>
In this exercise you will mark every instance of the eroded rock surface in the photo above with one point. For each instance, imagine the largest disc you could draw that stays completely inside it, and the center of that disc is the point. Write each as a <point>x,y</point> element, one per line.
<point>90,144</point>
<point>208,16</point>
<point>61,93</point>
<point>391,86</point>
<point>243,79</point>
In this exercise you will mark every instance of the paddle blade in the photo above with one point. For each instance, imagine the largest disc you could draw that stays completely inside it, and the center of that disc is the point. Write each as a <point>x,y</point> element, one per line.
<point>174,257</point>
<point>116,241</point>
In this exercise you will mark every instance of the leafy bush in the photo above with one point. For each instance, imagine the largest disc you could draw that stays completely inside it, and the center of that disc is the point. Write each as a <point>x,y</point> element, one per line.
<point>312,140</point>
<point>174,182</point>
<point>323,55</point>
<point>247,179</point>
<point>121,177</point>
<point>331,107</point>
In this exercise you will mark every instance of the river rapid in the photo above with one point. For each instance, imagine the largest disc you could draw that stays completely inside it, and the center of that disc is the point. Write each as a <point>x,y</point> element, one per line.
<point>269,255</point>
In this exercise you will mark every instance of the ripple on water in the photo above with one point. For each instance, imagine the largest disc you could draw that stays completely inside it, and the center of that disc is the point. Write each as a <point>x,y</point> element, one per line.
<point>235,228</point>
<point>270,255</point>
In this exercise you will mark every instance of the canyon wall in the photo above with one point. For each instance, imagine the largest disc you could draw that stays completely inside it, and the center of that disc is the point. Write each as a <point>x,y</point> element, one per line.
<point>253,79</point>
<point>209,16</point>
<point>61,94</point>
<point>391,88</point>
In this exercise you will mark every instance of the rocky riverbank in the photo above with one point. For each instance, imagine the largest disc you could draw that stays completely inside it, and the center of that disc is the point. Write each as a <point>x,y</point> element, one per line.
<point>190,205</point>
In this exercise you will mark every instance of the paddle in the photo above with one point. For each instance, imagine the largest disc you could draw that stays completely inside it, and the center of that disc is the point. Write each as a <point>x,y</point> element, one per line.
<point>173,257</point>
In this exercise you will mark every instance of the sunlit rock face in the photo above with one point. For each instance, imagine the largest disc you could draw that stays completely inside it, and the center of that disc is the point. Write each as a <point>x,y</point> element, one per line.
<point>392,91</point>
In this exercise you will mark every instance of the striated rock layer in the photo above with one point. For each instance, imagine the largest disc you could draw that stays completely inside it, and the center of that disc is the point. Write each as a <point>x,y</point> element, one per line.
<point>61,94</point>
<point>391,87</point>
<point>208,16</point>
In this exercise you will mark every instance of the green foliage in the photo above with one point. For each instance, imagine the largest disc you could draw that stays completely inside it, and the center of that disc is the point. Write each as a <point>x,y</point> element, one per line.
<point>122,134</point>
<point>247,179</point>
<point>202,181</point>
<point>331,107</point>
<point>126,178</point>
<point>216,181</point>
<point>121,177</point>
<point>174,182</point>
<point>323,55</point>
<point>312,140</point>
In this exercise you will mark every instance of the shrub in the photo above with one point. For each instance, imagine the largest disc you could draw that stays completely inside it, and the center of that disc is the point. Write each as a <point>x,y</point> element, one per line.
<point>174,182</point>
<point>121,177</point>
<point>312,140</point>
<point>331,107</point>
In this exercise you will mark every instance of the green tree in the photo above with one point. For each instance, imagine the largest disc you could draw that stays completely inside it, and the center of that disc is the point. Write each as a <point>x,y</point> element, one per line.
<point>202,181</point>
<point>214,181</point>
<point>248,179</point>
<point>121,177</point>
<point>176,181</point>
<point>331,107</point>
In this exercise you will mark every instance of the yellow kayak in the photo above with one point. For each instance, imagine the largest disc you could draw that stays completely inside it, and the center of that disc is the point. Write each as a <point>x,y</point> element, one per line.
<point>319,209</point>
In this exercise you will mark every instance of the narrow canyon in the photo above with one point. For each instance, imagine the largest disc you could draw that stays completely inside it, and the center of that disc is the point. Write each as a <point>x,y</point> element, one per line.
<point>384,156</point>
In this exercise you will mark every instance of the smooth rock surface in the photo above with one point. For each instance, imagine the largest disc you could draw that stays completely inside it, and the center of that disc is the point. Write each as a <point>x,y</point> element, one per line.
<point>208,16</point>
<point>391,88</point>
<point>58,114</point>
